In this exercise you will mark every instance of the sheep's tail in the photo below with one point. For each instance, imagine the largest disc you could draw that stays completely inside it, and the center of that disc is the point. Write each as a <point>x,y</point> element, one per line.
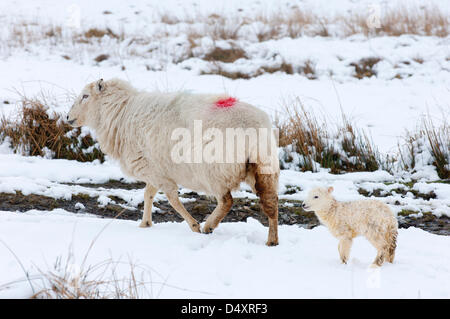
<point>263,161</point>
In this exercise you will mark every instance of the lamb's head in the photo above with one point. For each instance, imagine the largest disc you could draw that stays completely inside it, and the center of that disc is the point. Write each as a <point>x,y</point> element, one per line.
<point>86,104</point>
<point>318,199</point>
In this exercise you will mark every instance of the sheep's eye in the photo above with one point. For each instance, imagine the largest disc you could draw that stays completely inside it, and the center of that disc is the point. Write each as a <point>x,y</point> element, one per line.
<point>316,196</point>
<point>85,96</point>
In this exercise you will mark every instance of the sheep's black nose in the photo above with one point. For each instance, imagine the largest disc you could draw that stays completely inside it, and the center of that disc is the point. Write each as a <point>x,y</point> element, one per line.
<point>67,117</point>
<point>303,205</point>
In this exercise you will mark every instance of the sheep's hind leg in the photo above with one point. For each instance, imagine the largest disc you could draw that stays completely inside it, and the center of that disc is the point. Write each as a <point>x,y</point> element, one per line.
<point>223,207</point>
<point>172,196</point>
<point>149,194</point>
<point>266,190</point>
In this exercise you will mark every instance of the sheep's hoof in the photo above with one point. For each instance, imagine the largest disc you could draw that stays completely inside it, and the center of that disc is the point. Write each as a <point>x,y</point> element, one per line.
<point>145,224</point>
<point>374,266</point>
<point>196,228</point>
<point>207,230</point>
<point>272,243</point>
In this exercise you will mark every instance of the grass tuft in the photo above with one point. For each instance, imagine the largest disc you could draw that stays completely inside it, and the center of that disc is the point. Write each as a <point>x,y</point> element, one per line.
<point>225,55</point>
<point>344,149</point>
<point>438,139</point>
<point>39,132</point>
<point>365,67</point>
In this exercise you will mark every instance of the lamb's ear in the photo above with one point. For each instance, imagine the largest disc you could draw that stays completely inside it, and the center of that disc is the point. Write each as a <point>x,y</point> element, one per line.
<point>100,86</point>
<point>330,189</point>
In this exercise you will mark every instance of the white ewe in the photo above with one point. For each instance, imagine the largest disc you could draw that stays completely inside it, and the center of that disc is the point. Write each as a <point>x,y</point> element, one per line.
<point>142,130</point>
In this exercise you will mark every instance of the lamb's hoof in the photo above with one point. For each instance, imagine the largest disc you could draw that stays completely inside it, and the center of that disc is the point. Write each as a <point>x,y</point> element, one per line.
<point>344,262</point>
<point>374,266</point>
<point>145,224</point>
<point>272,243</point>
<point>207,230</point>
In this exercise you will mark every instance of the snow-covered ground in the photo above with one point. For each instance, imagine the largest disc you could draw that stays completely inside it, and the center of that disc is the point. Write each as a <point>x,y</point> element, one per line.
<point>233,262</point>
<point>413,78</point>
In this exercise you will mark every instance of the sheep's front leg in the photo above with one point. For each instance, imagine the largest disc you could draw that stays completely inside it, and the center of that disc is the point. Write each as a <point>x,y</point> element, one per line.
<point>344,249</point>
<point>149,194</point>
<point>172,196</point>
<point>224,204</point>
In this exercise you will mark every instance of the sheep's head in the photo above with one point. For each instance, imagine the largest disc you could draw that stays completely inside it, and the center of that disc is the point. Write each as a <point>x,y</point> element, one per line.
<point>86,103</point>
<point>318,199</point>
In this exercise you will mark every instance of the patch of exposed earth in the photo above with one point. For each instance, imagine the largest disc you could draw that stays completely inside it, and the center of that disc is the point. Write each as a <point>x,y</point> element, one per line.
<point>290,211</point>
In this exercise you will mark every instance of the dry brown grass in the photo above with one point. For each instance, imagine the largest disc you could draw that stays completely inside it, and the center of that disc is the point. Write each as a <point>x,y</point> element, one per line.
<point>97,34</point>
<point>225,55</point>
<point>100,281</point>
<point>343,149</point>
<point>293,22</point>
<point>219,69</point>
<point>169,18</point>
<point>222,27</point>
<point>37,131</point>
<point>425,20</point>
<point>365,67</point>
<point>284,67</point>
<point>24,33</point>
<point>439,145</point>
<point>234,75</point>
<point>266,33</point>
<point>308,69</point>
<point>418,59</point>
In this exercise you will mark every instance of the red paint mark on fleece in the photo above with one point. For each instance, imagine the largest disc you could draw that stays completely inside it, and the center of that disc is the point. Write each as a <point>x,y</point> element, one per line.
<point>228,102</point>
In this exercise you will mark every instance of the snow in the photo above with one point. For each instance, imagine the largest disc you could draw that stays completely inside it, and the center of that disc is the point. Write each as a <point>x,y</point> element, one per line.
<point>233,262</point>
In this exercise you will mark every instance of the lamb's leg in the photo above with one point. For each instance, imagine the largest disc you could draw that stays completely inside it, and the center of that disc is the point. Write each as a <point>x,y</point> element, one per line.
<point>172,196</point>
<point>379,259</point>
<point>392,244</point>
<point>223,206</point>
<point>345,244</point>
<point>149,194</point>
<point>378,242</point>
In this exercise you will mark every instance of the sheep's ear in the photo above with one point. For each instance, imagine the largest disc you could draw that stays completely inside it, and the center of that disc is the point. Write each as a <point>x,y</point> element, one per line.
<point>100,86</point>
<point>330,189</point>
